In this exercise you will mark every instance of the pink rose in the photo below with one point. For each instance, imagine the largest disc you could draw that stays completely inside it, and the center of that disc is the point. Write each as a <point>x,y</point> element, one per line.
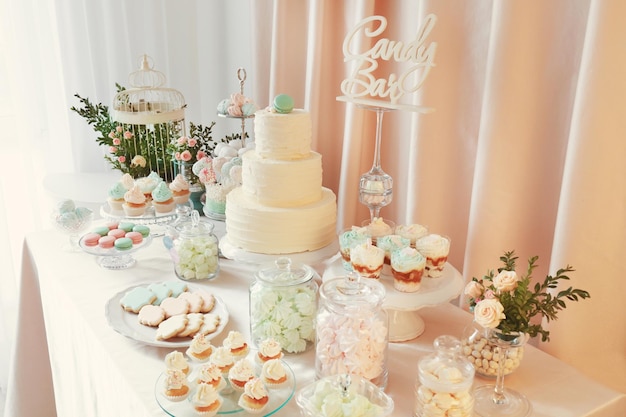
<point>489,313</point>
<point>112,135</point>
<point>505,281</point>
<point>116,141</point>
<point>181,140</point>
<point>192,142</point>
<point>185,156</point>
<point>177,156</point>
<point>121,159</point>
<point>489,294</point>
<point>112,149</point>
<point>118,129</point>
<point>200,155</point>
<point>127,135</point>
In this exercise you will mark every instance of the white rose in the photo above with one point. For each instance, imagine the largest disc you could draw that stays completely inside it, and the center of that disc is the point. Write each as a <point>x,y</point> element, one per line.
<point>488,313</point>
<point>474,289</point>
<point>505,281</point>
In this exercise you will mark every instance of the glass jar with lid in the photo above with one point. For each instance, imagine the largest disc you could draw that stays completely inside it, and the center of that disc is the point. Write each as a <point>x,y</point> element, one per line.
<point>283,303</point>
<point>444,381</point>
<point>193,248</point>
<point>352,329</point>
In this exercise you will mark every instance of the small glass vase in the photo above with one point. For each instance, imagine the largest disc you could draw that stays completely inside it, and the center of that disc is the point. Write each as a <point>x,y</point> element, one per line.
<point>493,400</point>
<point>480,351</point>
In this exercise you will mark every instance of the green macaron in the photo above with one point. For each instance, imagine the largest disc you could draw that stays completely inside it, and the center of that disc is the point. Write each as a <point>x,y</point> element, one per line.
<point>144,230</point>
<point>283,103</point>
<point>123,243</point>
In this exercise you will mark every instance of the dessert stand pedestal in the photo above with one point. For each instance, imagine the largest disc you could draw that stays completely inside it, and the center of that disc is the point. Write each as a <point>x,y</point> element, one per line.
<point>402,308</point>
<point>158,222</point>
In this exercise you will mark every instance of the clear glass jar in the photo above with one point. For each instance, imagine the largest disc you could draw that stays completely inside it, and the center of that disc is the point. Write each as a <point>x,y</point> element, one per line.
<point>193,248</point>
<point>352,329</point>
<point>444,381</point>
<point>283,303</point>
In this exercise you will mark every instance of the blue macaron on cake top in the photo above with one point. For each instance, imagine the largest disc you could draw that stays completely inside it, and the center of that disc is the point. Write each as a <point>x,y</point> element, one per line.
<point>283,103</point>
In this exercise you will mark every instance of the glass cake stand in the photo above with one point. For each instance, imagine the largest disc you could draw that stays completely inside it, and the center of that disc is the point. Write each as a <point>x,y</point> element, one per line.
<point>402,308</point>
<point>157,221</point>
<point>113,258</point>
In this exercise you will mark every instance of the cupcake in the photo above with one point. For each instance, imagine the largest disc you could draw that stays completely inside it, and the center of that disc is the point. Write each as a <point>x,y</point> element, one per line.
<point>163,198</point>
<point>127,181</point>
<point>407,268</point>
<point>200,348</point>
<point>367,259</point>
<point>255,397</point>
<point>134,202</point>
<point>176,360</point>
<point>390,244</point>
<point>378,227</point>
<point>240,373</point>
<point>148,184</point>
<point>435,249</point>
<point>180,189</point>
<point>237,344</point>
<point>210,373</point>
<point>273,373</point>
<point>411,232</point>
<point>269,349</point>
<point>222,357</point>
<point>206,401</point>
<point>348,240</point>
<point>116,196</point>
<point>175,387</point>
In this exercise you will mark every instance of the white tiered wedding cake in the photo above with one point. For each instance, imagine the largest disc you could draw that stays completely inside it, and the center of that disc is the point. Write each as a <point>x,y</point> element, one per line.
<point>281,207</point>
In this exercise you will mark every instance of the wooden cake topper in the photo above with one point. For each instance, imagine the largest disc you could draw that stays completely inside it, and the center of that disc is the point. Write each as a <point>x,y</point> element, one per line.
<point>417,57</point>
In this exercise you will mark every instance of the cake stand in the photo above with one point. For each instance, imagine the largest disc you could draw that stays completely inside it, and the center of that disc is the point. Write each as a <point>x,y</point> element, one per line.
<point>402,308</point>
<point>150,217</point>
<point>113,258</point>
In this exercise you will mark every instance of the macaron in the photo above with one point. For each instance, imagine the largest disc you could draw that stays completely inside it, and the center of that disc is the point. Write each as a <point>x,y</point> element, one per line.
<point>101,230</point>
<point>126,226</point>
<point>117,233</point>
<point>136,237</point>
<point>91,239</point>
<point>112,225</point>
<point>106,242</point>
<point>144,230</point>
<point>123,243</point>
<point>283,103</point>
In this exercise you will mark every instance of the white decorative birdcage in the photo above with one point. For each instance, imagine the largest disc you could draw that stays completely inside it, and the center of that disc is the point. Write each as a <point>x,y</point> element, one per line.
<point>154,115</point>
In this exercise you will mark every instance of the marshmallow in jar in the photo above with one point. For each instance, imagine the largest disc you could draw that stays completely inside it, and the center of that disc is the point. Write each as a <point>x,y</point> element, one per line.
<point>283,303</point>
<point>193,247</point>
<point>444,383</point>
<point>352,329</point>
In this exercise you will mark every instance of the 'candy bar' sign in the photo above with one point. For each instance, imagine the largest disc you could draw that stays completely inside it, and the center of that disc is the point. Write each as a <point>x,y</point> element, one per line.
<point>364,84</point>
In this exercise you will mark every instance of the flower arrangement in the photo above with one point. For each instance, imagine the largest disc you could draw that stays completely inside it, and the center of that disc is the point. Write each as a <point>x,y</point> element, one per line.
<point>505,301</point>
<point>193,148</point>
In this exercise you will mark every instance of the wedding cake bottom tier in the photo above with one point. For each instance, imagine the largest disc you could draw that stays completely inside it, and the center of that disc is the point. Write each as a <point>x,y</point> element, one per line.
<point>273,230</point>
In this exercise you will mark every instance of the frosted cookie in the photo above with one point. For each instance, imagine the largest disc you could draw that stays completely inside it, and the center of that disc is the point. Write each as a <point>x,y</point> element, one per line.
<point>177,287</point>
<point>174,306</point>
<point>195,301</point>
<point>136,298</point>
<point>194,323</point>
<point>161,291</point>
<point>151,315</point>
<point>171,327</point>
<point>208,301</point>
<point>210,324</point>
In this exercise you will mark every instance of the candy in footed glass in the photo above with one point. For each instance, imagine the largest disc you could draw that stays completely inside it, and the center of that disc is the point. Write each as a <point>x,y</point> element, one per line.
<point>72,221</point>
<point>493,400</point>
<point>376,186</point>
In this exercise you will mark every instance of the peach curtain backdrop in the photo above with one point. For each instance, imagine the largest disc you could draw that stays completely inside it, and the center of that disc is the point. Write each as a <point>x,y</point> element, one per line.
<point>524,151</point>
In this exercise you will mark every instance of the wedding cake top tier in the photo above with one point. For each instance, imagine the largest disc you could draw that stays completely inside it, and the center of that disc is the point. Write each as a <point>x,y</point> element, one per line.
<point>282,135</point>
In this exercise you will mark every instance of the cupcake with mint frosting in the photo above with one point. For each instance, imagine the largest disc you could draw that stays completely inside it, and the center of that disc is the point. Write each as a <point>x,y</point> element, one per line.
<point>163,198</point>
<point>407,268</point>
<point>116,196</point>
<point>348,240</point>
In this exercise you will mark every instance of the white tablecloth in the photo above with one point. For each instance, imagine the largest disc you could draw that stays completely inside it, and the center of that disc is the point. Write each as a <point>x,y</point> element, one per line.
<point>98,372</point>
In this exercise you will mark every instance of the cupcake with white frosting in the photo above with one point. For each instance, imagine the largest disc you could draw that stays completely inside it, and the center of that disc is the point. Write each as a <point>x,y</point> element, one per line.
<point>269,349</point>
<point>255,396</point>
<point>200,348</point>
<point>206,401</point>
<point>348,239</point>
<point>367,259</point>
<point>240,373</point>
<point>176,387</point>
<point>411,231</point>
<point>273,373</point>
<point>435,249</point>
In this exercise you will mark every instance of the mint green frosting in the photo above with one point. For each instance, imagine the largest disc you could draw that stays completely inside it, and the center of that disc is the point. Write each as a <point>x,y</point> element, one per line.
<point>351,238</point>
<point>407,258</point>
<point>117,191</point>
<point>391,243</point>
<point>161,193</point>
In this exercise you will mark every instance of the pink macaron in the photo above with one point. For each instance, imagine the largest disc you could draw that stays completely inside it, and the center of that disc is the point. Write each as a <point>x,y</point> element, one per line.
<point>106,242</point>
<point>136,237</point>
<point>91,239</point>
<point>117,233</point>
